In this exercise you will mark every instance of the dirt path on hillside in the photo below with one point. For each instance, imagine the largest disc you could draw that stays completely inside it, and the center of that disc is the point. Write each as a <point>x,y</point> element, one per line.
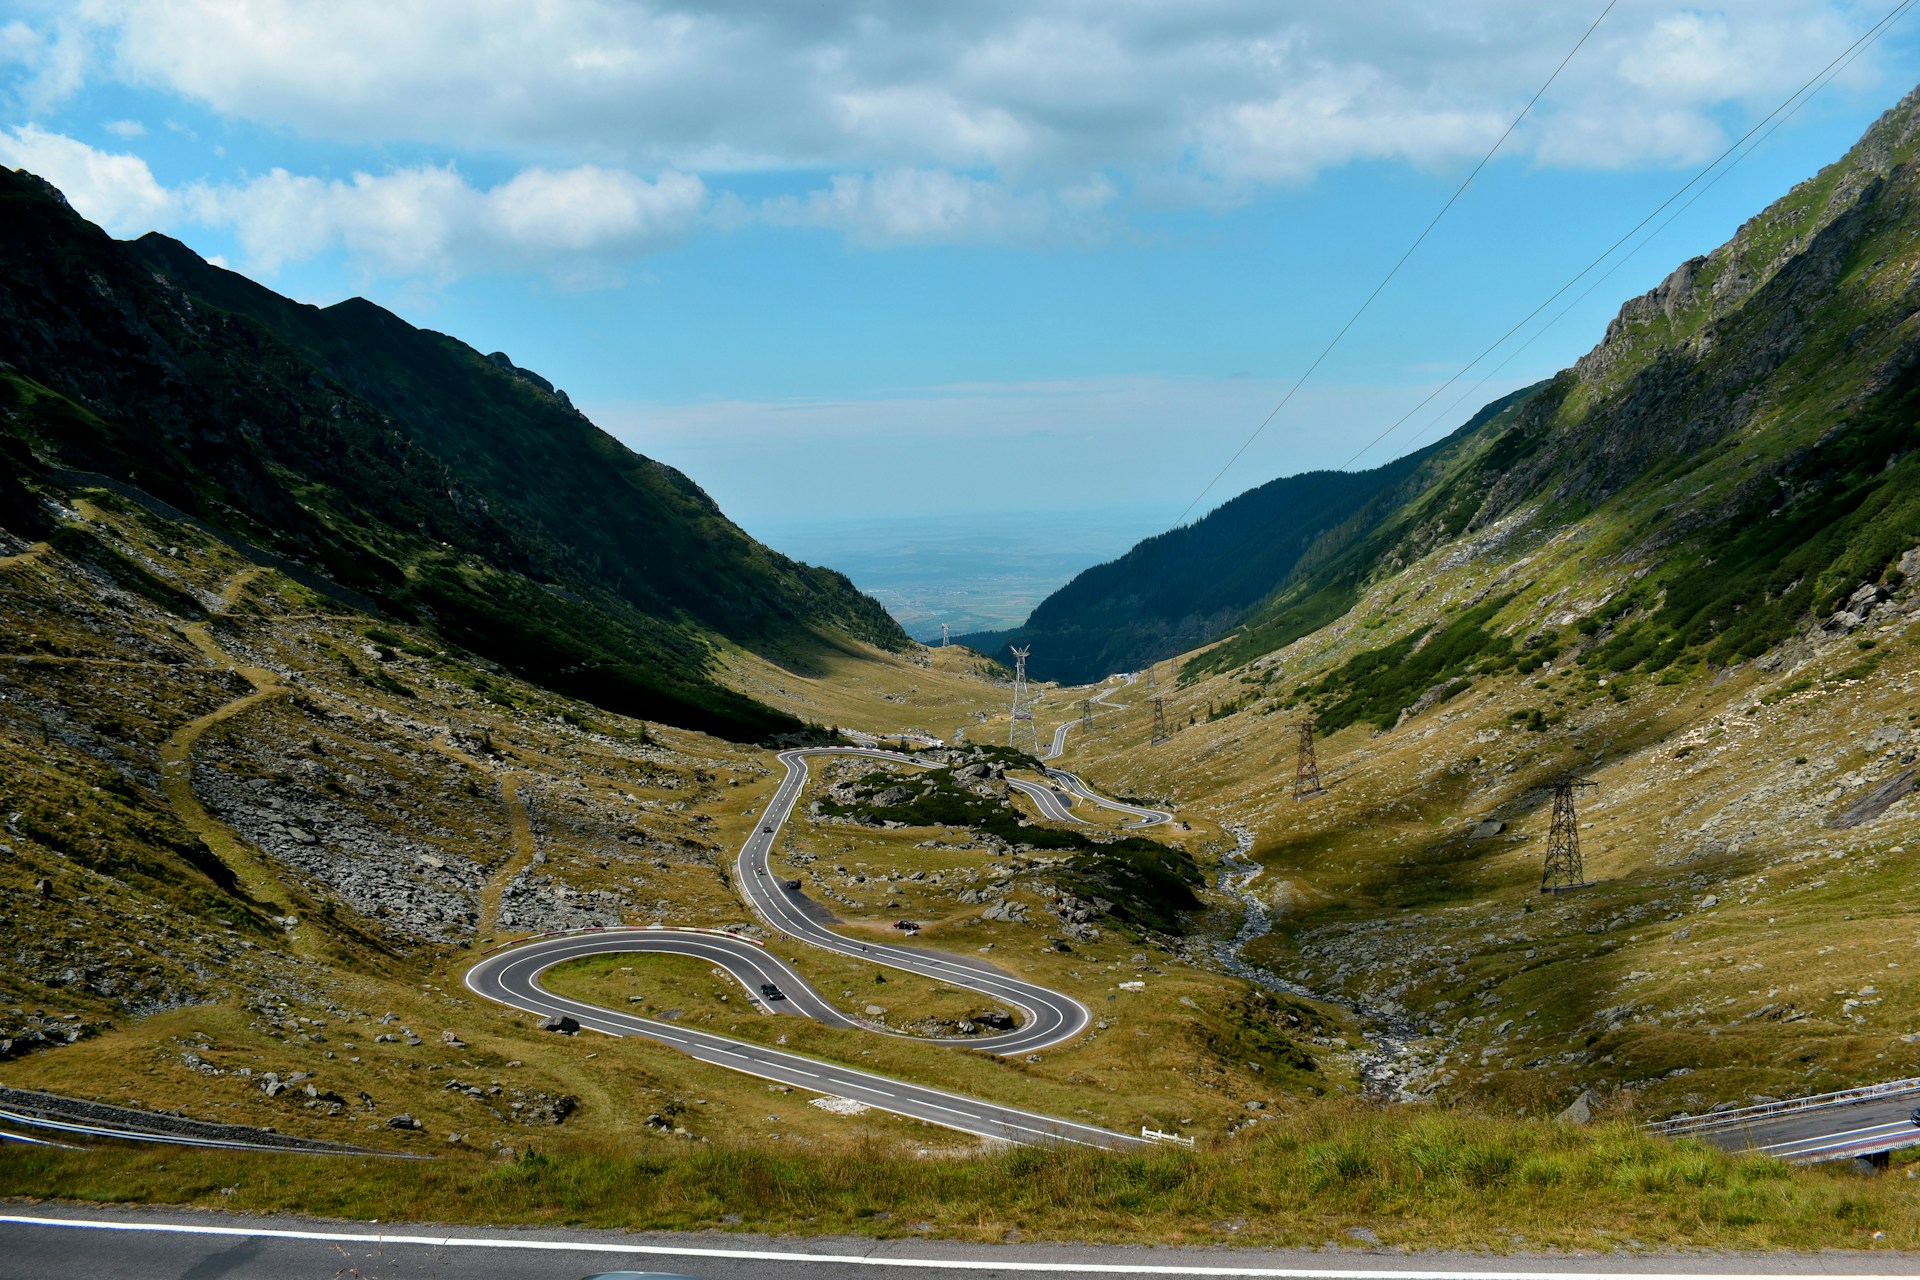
<point>519,822</point>
<point>28,556</point>
<point>176,754</point>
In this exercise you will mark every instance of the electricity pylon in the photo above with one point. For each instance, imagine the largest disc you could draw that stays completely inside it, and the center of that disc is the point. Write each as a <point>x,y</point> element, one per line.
<point>1022,705</point>
<point>1086,711</point>
<point>1160,733</point>
<point>1306,766</point>
<point>1565,869</point>
<point>943,635</point>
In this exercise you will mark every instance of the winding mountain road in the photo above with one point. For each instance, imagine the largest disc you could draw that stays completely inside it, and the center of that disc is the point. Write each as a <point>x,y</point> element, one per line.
<point>1056,801</point>
<point>512,977</point>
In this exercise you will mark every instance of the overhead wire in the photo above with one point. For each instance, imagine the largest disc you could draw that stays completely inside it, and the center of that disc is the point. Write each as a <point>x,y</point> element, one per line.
<point>1873,33</point>
<point>1770,122</point>
<point>1395,269</point>
<point>1826,79</point>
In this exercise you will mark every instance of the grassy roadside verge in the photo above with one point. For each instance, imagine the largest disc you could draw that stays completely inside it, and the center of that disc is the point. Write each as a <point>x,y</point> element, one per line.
<point>1412,1177</point>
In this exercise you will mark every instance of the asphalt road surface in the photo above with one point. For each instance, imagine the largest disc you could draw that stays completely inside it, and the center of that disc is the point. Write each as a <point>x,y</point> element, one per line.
<point>512,978</point>
<point>92,1243</point>
<point>1056,801</point>
<point>1051,801</point>
<point>1825,1133</point>
<point>1047,1017</point>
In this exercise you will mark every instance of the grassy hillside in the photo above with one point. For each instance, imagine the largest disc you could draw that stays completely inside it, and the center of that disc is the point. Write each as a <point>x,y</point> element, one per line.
<point>1742,438</point>
<point>251,829</point>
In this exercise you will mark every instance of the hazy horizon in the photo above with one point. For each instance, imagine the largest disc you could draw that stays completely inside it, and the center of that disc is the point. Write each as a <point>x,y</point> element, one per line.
<point>980,571</point>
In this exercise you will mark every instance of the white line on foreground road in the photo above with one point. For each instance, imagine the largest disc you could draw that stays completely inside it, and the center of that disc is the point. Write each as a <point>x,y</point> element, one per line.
<point>881,1260</point>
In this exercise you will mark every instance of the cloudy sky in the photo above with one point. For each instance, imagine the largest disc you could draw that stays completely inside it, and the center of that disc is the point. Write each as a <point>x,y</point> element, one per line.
<point>848,257</point>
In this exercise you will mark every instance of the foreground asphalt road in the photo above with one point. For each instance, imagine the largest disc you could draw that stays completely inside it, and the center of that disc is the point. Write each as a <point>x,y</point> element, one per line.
<point>172,1245</point>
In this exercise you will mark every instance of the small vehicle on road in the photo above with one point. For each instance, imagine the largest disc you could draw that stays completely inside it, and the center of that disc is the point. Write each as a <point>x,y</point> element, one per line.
<point>767,830</point>
<point>1913,1118</point>
<point>771,992</point>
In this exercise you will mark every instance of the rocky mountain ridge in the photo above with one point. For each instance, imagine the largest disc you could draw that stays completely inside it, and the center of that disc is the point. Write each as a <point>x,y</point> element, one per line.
<point>454,489</point>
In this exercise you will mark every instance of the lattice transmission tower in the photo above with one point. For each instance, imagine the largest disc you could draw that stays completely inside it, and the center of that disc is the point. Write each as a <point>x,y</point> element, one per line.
<point>1160,733</point>
<point>943,635</point>
<point>1022,706</point>
<point>1565,869</point>
<point>1306,765</point>
<point>1086,711</point>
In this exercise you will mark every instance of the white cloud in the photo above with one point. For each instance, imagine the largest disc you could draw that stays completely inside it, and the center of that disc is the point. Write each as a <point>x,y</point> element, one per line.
<point>421,221</point>
<point>1011,120</point>
<point>126,128</point>
<point>1035,92</point>
<point>933,206</point>
<point>429,221</point>
<point>51,59</point>
<point>117,191</point>
<point>590,208</point>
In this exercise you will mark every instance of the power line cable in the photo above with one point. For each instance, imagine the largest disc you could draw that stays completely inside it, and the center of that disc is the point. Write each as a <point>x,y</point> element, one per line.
<point>1795,100</point>
<point>1395,270</point>
<point>1873,33</point>
<point>1826,79</point>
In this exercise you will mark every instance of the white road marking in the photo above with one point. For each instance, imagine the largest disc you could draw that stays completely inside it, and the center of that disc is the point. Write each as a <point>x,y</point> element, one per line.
<point>873,1260</point>
<point>1838,1139</point>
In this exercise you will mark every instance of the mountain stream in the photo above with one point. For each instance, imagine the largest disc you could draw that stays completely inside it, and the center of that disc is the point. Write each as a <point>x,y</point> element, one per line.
<point>1388,1052</point>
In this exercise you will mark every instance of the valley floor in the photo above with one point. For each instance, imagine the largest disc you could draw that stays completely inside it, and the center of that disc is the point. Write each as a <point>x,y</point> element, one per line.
<point>255,840</point>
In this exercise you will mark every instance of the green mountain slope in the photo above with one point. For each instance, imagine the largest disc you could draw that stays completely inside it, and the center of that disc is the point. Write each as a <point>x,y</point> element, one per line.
<point>450,487</point>
<point>1188,585</point>
<point>1742,436</point>
<point>1727,468</point>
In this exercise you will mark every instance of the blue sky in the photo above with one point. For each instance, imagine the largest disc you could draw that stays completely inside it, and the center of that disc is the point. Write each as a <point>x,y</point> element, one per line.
<point>853,259</point>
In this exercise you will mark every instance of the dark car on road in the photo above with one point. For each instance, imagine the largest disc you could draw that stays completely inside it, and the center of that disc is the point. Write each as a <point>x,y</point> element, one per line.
<point>771,992</point>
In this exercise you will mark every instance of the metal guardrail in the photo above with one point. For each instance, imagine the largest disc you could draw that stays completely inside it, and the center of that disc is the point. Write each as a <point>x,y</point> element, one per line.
<point>1154,1135</point>
<point>1762,1110</point>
